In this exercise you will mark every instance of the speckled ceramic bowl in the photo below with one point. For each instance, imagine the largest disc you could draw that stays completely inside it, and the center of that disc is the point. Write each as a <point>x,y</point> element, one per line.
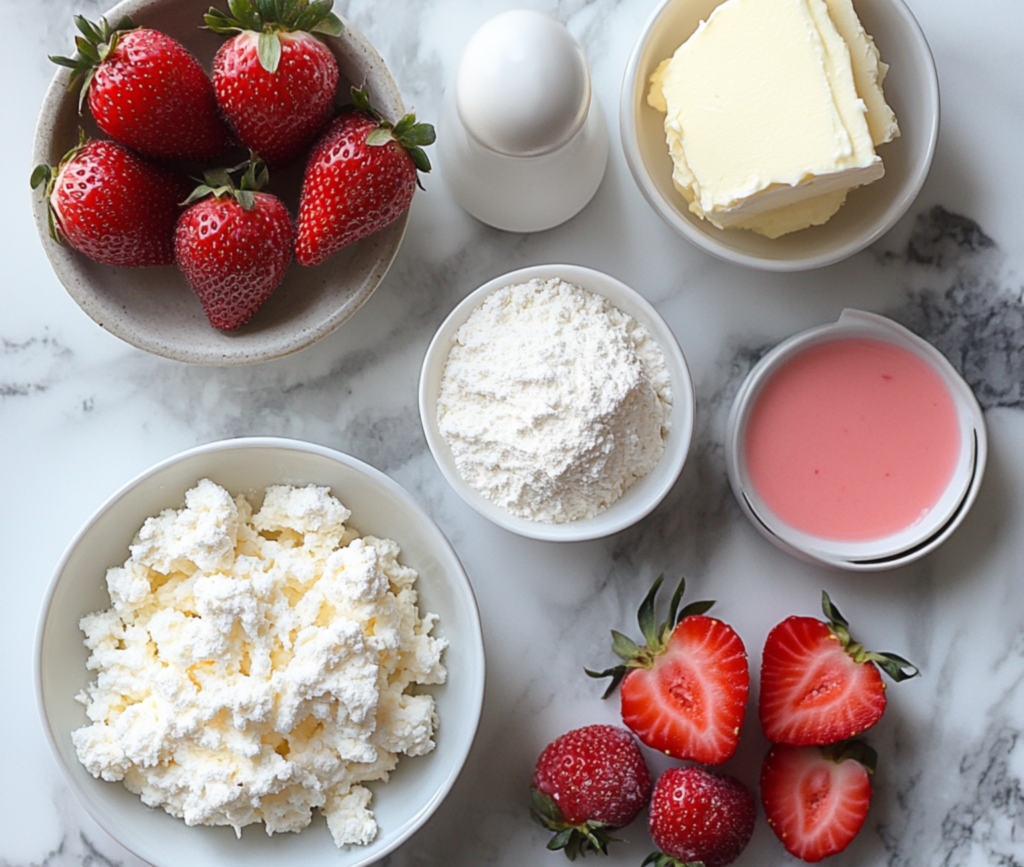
<point>379,507</point>
<point>154,308</point>
<point>911,88</point>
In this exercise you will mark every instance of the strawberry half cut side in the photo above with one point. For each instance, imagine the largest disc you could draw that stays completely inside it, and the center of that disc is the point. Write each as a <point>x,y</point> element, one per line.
<point>818,685</point>
<point>816,798</point>
<point>684,692</point>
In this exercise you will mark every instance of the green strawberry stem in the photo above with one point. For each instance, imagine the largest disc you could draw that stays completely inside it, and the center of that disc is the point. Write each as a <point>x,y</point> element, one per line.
<point>270,18</point>
<point>410,135</point>
<point>94,45</point>
<point>656,635</point>
<point>218,182</point>
<point>588,836</point>
<point>660,859</point>
<point>895,666</point>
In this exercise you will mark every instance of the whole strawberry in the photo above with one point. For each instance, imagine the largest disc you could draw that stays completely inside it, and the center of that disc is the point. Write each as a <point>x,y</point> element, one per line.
<point>588,782</point>
<point>360,177</point>
<point>146,91</point>
<point>818,685</point>
<point>816,798</point>
<point>274,80</point>
<point>112,205</point>
<point>698,817</point>
<point>684,693</point>
<point>233,245</point>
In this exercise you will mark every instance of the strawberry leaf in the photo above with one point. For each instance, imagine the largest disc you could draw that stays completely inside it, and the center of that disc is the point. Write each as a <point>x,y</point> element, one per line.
<point>361,100</point>
<point>419,134</point>
<point>420,160</point>
<point>246,198</point>
<point>645,615</point>
<point>269,51</point>
<point>380,136</point>
<point>41,174</point>
<point>896,667</point>
<point>330,25</point>
<point>859,751</point>
<point>623,646</point>
<point>695,608</point>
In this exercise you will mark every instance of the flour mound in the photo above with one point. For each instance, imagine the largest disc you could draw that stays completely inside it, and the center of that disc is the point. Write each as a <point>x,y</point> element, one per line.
<point>553,401</point>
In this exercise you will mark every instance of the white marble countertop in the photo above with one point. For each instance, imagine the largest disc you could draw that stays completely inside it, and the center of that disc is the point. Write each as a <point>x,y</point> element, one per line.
<point>82,412</point>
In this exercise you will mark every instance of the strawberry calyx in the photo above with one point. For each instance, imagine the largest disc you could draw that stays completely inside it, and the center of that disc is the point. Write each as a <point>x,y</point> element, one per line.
<point>895,666</point>
<point>579,839</point>
<point>219,183</point>
<point>95,44</point>
<point>410,135</point>
<point>857,750</point>
<point>661,859</point>
<point>46,177</point>
<point>656,634</point>
<point>270,18</point>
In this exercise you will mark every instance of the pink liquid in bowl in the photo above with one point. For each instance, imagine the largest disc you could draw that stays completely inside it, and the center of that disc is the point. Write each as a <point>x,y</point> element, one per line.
<point>852,440</point>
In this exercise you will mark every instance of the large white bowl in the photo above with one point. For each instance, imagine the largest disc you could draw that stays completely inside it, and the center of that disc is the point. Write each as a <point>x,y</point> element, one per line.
<point>645,494</point>
<point>911,88</point>
<point>380,507</point>
<point>154,308</point>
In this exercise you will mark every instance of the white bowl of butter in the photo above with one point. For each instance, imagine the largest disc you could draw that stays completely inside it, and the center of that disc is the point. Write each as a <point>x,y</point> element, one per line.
<point>767,166</point>
<point>249,468</point>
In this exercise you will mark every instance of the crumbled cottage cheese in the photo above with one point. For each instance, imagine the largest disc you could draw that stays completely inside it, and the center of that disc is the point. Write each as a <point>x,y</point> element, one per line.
<point>553,401</point>
<point>256,666</point>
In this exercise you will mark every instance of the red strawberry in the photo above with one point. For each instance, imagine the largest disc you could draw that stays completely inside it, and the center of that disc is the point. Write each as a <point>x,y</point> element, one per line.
<point>360,178</point>
<point>818,686</point>
<point>234,245</point>
<point>146,91</point>
<point>275,82</point>
<point>698,817</point>
<point>112,205</point>
<point>685,692</point>
<point>588,782</point>
<point>816,798</point>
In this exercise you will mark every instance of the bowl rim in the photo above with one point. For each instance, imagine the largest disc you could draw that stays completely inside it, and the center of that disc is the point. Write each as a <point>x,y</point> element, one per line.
<point>472,641</point>
<point>232,351</point>
<point>895,549</point>
<point>683,408</point>
<point>710,244</point>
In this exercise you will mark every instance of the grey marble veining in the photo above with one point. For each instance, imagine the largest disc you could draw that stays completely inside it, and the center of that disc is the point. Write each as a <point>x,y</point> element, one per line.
<point>80,413</point>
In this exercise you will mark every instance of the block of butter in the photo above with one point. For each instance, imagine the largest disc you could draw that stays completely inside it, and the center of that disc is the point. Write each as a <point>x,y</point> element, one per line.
<point>773,109</point>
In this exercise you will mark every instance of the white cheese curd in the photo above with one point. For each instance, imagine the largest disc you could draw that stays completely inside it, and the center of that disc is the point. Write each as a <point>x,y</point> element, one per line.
<point>254,667</point>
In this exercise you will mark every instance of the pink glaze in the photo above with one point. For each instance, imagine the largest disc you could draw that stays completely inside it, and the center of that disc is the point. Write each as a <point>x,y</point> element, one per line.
<point>851,440</point>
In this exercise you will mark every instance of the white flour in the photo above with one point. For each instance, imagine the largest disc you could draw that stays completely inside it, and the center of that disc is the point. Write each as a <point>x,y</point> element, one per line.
<point>553,401</point>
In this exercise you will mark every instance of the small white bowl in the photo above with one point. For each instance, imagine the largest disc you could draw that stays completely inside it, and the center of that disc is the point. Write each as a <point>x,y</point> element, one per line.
<point>379,506</point>
<point>911,88</point>
<point>886,552</point>
<point>645,494</point>
<point>154,308</point>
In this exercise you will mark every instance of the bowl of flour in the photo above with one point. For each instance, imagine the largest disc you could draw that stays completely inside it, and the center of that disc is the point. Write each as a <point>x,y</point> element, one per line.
<point>557,403</point>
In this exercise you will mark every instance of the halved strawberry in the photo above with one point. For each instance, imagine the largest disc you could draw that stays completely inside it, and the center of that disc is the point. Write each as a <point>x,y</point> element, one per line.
<point>685,692</point>
<point>816,798</point>
<point>818,686</point>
